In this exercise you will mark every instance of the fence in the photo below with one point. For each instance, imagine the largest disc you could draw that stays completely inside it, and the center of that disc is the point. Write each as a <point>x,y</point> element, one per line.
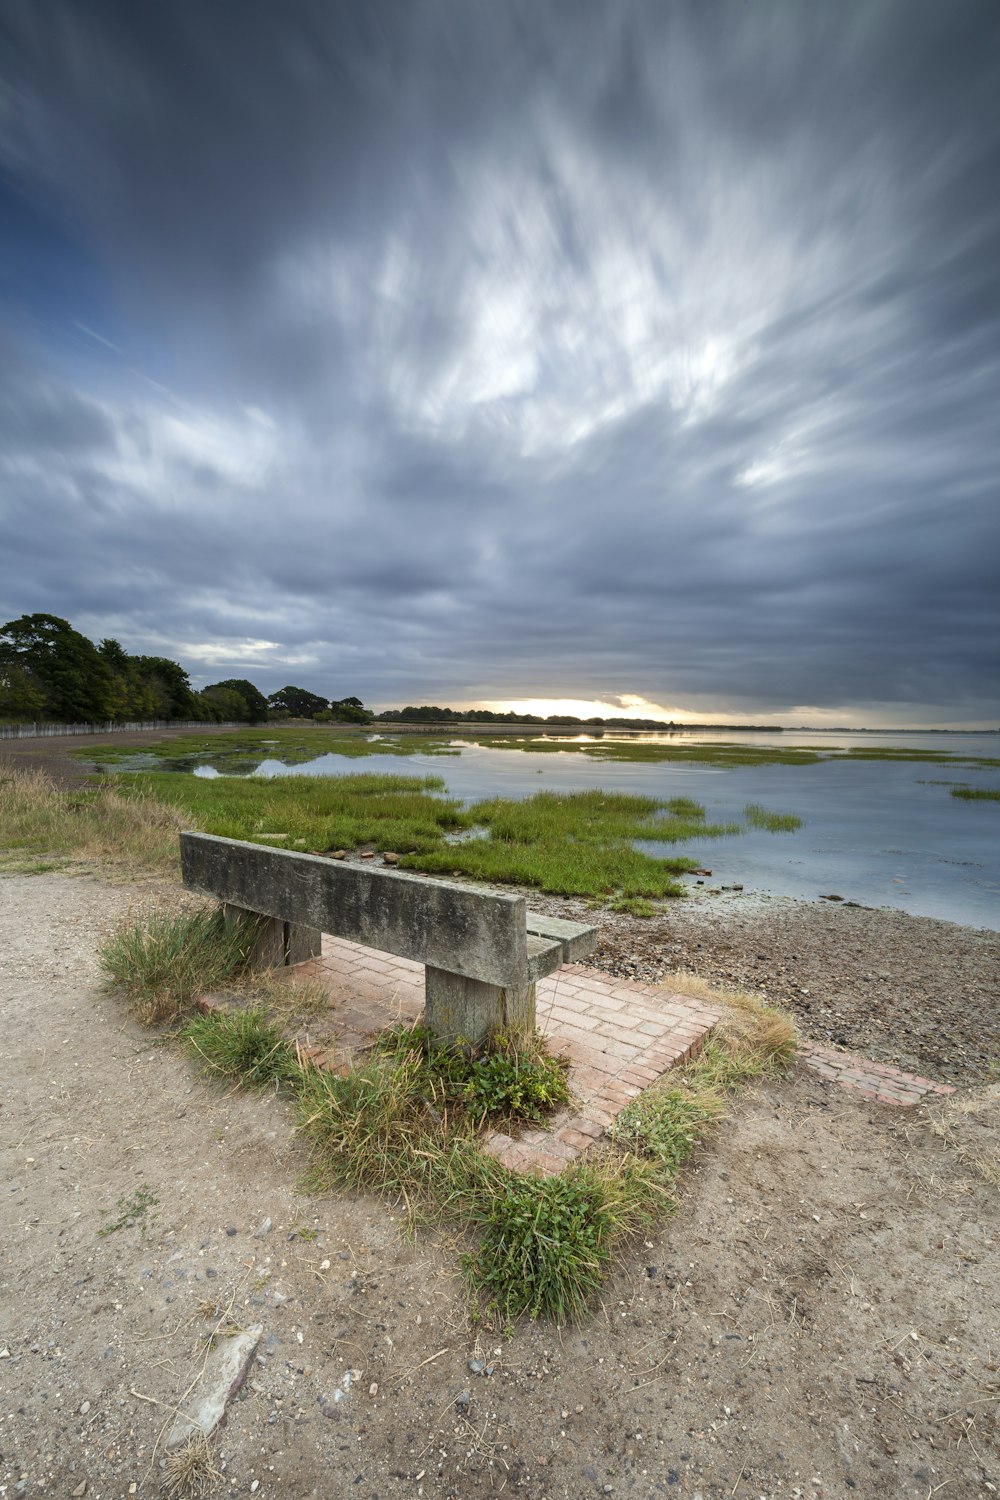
<point>40,731</point>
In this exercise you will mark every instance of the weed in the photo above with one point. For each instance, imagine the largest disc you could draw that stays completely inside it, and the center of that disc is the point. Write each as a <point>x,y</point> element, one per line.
<point>242,1045</point>
<point>190,1469</point>
<point>132,1210</point>
<point>162,962</point>
<point>512,1078</point>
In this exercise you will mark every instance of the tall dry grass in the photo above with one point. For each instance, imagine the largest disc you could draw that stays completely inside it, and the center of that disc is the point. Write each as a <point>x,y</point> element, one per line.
<point>45,825</point>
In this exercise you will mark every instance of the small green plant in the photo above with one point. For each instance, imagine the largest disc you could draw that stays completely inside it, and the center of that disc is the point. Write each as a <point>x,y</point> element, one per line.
<point>162,962</point>
<point>512,1077</point>
<point>132,1210</point>
<point>666,1124</point>
<point>243,1045</point>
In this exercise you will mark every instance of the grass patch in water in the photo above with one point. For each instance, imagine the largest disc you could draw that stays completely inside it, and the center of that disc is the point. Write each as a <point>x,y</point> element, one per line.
<point>577,843</point>
<point>292,746</point>
<point>722,754</point>
<point>774,822</point>
<point>976,794</point>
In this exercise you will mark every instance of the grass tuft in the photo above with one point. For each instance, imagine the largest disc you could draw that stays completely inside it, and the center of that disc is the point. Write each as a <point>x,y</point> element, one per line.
<point>191,1468</point>
<point>162,962</point>
<point>976,794</point>
<point>245,1046</point>
<point>546,1245</point>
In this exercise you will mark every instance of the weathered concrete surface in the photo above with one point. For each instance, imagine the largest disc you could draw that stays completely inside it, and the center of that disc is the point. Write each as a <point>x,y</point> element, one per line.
<point>220,1380</point>
<point>468,1010</point>
<point>277,943</point>
<point>479,934</point>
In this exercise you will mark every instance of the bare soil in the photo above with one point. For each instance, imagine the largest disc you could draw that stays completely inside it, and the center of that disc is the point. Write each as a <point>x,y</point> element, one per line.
<point>817,1319</point>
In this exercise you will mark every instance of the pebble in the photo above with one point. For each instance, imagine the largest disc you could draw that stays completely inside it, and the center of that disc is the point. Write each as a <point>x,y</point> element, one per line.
<point>231,1230</point>
<point>264,1227</point>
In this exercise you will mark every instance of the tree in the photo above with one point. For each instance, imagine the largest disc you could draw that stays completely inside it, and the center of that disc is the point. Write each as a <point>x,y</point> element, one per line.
<point>349,711</point>
<point>74,680</point>
<point>297,702</point>
<point>254,706</point>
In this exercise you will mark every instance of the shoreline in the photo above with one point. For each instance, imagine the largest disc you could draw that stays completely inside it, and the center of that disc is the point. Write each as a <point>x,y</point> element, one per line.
<point>916,992</point>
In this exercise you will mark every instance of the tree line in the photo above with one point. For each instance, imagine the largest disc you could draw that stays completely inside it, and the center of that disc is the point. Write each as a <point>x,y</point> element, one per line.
<point>50,673</point>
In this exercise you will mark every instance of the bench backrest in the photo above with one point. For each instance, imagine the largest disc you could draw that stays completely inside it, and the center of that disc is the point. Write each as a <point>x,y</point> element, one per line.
<point>479,934</point>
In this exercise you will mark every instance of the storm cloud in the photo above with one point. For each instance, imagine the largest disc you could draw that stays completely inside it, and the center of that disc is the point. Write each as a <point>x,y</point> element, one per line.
<point>443,352</point>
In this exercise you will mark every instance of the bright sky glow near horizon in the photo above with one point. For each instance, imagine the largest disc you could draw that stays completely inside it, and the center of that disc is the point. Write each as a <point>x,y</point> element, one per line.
<point>638,356</point>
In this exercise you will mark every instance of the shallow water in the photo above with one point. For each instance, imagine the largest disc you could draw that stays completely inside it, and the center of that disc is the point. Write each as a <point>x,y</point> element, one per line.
<point>883,833</point>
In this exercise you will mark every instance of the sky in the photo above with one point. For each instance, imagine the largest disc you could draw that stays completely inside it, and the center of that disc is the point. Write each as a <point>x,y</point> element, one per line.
<point>642,355</point>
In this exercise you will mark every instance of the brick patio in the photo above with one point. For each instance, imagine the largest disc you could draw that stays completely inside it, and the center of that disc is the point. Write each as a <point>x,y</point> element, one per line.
<point>619,1037</point>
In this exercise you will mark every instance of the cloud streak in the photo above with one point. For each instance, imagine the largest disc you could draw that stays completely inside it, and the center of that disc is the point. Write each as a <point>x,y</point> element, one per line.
<point>562,351</point>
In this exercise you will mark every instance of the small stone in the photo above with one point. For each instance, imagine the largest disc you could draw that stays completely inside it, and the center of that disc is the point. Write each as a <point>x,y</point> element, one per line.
<point>338,854</point>
<point>231,1230</point>
<point>264,1227</point>
<point>367,854</point>
<point>211,1273</point>
<point>84,1408</point>
<point>464,1401</point>
<point>81,1489</point>
<point>373,1388</point>
<point>477,1366</point>
<point>390,859</point>
<point>255,1486</point>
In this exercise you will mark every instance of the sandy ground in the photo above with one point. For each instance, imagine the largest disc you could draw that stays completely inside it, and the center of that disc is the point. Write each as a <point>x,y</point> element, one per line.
<point>818,1319</point>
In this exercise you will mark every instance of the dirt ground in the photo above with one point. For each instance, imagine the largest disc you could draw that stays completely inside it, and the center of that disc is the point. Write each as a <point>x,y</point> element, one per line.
<point>818,1319</point>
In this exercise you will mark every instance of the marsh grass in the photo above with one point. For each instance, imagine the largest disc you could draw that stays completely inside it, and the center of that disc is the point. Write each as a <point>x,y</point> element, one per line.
<point>126,827</point>
<point>976,794</point>
<point>721,754</point>
<point>774,822</point>
<point>160,963</point>
<point>577,843</point>
<point>317,813</point>
<point>290,745</point>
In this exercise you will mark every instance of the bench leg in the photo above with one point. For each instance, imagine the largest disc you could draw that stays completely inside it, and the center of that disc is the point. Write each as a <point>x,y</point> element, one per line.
<point>278,943</point>
<point>469,1010</point>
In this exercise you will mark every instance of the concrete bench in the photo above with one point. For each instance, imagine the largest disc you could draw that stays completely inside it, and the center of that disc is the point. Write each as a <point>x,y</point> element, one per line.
<point>482,950</point>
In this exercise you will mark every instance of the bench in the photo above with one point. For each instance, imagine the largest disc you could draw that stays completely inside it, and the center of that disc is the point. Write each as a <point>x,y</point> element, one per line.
<point>483,951</point>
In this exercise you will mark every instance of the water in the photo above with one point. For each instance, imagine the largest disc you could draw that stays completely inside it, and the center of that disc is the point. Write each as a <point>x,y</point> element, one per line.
<point>883,833</point>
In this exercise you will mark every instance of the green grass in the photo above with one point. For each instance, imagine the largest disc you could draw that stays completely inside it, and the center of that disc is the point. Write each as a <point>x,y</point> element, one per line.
<point>515,1078</point>
<point>240,750</point>
<point>577,843</point>
<point>243,1046</point>
<point>132,1209</point>
<point>318,813</point>
<point>774,822</point>
<point>721,754</point>
<point>159,964</point>
<point>976,794</point>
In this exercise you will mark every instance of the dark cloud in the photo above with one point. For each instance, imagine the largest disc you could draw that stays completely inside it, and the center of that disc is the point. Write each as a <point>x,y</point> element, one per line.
<point>436,351</point>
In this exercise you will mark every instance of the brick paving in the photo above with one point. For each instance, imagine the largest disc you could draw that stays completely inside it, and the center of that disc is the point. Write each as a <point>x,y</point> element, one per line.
<point>875,1081</point>
<point>618,1035</point>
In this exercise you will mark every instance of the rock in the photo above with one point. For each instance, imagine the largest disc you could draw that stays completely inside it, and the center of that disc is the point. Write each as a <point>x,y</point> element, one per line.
<point>390,859</point>
<point>219,1382</point>
<point>338,854</point>
<point>367,854</point>
<point>231,1230</point>
<point>84,1408</point>
<point>464,1401</point>
<point>477,1366</point>
<point>81,1489</point>
<point>264,1227</point>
